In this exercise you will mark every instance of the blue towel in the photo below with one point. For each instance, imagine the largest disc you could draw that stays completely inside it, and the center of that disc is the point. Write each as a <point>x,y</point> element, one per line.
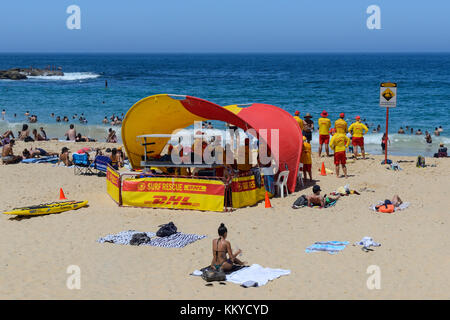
<point>332,247</point>
<point>49,159</point>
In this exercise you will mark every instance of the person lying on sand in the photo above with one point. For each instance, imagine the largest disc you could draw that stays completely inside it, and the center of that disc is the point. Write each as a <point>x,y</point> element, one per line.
<point>80,138</point>
<point>8,156</point>
<point>221,247</point>
<point>36,153</point>
<point>64,157</point>
<point>317,199</point>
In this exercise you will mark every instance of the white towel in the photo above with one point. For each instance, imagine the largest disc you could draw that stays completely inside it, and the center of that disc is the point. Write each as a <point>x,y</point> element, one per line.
<point>256,273</point>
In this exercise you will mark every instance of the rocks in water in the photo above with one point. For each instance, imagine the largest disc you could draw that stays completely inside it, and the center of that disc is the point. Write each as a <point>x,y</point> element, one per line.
<point>24,73</point>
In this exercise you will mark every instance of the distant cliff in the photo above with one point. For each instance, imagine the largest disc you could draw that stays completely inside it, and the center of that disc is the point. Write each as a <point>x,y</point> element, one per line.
<point>24,73</point>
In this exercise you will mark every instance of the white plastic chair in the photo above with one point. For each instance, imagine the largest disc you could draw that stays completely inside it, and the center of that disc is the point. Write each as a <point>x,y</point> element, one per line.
<point>300,174</point>
<point>281,183</point>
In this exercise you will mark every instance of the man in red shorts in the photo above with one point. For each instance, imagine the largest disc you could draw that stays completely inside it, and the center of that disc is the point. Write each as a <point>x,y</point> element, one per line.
<point>324,132</point>
<point>358,130</point>
<point>339,142</point>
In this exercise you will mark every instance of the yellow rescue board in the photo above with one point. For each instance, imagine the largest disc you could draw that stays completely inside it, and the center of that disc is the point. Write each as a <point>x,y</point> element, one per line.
<point>47,208</point>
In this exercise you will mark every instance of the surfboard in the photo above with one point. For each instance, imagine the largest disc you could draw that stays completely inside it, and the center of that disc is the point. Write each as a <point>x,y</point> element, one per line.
<point>47,208</point>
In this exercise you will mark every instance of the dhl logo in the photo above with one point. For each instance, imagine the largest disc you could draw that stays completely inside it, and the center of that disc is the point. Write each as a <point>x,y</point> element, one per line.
<point>179,187</point>
<point>112,178</point>
<point>246,185</point>
<point>172,200</point>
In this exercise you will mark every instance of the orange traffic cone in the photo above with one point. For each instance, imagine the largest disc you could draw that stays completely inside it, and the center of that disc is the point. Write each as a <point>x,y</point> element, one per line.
<point>61,194</point>
<point>268,205</point>
<point>323,172</point>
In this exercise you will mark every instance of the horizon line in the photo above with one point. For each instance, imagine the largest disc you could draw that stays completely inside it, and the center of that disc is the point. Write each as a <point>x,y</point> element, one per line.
<point>224,52</point>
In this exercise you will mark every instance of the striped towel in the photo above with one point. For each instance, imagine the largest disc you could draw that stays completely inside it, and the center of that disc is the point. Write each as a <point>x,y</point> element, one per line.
<point>332,247</point>
<point>177,240</point>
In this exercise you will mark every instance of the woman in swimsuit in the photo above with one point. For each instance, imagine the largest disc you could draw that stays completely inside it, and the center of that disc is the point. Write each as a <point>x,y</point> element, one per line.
<point>221,247</point>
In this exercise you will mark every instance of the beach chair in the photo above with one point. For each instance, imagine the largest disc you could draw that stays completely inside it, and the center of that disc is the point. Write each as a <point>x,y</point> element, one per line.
<point>82,164</point>
<point>281,183</point>
<point>101,164</point>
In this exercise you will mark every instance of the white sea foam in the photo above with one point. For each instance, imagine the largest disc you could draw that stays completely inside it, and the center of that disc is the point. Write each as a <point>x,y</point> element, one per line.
<point>68,76</point>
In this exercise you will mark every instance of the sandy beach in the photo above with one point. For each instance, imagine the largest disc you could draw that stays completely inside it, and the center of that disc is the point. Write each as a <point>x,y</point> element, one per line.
<point>414,258</point>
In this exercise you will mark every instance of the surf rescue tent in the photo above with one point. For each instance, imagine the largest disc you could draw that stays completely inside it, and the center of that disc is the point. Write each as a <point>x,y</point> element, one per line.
<point>164,114</point>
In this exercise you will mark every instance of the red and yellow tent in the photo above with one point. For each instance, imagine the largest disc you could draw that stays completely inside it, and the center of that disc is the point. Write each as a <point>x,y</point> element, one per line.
<point>165,114</point>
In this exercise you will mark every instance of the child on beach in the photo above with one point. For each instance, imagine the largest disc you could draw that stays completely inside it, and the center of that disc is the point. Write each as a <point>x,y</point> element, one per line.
<point>306,159</point>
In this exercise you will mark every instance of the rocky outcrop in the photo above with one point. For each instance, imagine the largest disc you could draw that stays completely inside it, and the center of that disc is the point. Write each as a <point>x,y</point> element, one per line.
<point>24,73</point>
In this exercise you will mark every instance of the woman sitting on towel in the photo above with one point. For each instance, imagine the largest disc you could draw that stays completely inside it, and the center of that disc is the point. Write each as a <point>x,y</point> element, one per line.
<point>221,247</point>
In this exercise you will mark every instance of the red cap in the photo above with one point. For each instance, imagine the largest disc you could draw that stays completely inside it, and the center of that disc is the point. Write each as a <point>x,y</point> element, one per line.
<point>342,115</point>
<point>358,118</point>
<point>324,113</point>
<point>297,112</point>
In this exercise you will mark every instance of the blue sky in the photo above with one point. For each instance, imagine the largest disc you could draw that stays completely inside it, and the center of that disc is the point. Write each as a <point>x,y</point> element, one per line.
<point>225,26</point>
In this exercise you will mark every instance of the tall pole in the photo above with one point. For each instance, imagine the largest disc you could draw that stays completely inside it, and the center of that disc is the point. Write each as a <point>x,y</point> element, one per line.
<point>386,138</point>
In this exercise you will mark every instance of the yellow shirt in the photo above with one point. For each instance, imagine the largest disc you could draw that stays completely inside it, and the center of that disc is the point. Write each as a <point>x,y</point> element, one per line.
<point>339,142</point>
<point>340,125</point>
<point>358,129</point>
<point>300,121</point>
<point>306,154</point>
<point>324,126</point>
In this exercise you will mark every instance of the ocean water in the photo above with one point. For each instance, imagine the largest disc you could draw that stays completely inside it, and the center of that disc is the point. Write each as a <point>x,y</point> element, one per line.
<point>306,82</point>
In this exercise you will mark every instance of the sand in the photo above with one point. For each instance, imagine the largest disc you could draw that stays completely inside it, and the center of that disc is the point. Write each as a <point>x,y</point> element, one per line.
<point>414,258</point>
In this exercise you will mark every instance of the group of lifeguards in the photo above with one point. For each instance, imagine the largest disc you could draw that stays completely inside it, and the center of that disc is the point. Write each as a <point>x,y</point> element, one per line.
<point>340,137</point>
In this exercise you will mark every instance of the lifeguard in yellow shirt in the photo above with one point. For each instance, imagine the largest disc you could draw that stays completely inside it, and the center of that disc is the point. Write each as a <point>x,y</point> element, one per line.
<point>339,142</point>
<point>340,124</point>
<point>298,119</point>
<point>324,132</point>
<point>358,130</point>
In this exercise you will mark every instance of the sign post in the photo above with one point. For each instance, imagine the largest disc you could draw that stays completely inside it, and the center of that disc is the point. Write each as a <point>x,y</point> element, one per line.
<point>388,99</point>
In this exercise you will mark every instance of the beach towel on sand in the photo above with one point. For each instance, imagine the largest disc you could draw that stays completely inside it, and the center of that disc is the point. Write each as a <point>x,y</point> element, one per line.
<point>366,243</point>
<point>403,206</point>
<point>248,276</point>
<point>49,159</point>
<point>177,240</point>
<point>332,247</point>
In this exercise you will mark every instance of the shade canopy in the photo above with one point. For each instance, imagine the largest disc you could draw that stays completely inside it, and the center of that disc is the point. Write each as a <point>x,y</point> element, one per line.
<point>166,114</point>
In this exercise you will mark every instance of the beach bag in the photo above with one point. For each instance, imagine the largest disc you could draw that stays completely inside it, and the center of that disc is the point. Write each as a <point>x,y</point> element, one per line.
<point>139,238</point>
<point>212,275</point>
<point>166,230</point>
<point>300,202</point>
<point>420,162</point>
<point>386,207</point>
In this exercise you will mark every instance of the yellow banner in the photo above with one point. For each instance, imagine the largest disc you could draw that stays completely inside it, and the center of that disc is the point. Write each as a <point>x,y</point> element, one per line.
<point>174,193</point>
<point>113,184</point>
<point>245,192</point>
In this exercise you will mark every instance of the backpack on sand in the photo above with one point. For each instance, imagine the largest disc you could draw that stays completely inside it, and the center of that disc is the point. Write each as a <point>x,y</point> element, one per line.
<point>212,275</point>
<point>166,230</point>
<point>300,202</point>
<point>139,238</point>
